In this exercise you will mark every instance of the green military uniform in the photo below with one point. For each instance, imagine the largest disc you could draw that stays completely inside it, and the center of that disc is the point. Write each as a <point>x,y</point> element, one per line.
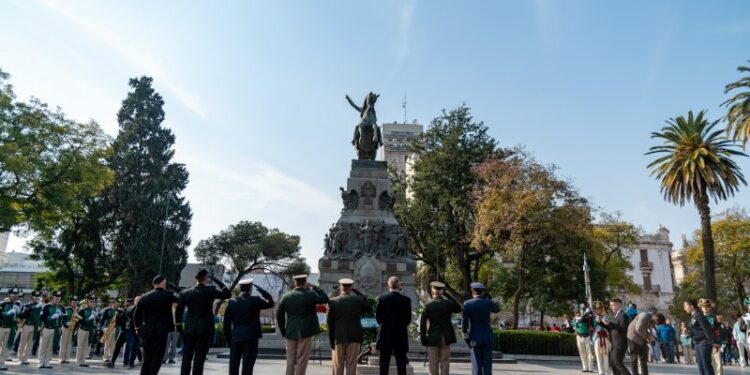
<point>66,334</point>
<point>50,320</point>
<point>31,327</point>
<point>8,312</point>
<point>344,319</point>
<point>86,328</point>
<point>438,312</point>
<point>296,315</point>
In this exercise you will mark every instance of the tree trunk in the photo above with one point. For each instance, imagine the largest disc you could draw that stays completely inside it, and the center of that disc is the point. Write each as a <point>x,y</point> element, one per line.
<point>521,286</point>
<point>709,262</point>
<point>742,294</point>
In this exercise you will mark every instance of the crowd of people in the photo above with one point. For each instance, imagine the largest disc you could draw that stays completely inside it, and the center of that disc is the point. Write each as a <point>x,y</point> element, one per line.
<point>705,339</point>
<point>148,326</point>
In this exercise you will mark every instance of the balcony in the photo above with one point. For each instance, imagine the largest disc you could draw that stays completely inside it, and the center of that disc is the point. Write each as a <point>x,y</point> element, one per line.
<point>646,265</point>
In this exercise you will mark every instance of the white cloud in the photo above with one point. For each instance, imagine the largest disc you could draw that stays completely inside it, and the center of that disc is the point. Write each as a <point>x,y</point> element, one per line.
<point>129,51</point>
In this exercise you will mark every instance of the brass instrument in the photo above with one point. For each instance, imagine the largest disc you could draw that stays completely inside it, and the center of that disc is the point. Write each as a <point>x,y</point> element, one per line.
<point>111,328</point>
<point>599,308</point>
<point>73,321</point>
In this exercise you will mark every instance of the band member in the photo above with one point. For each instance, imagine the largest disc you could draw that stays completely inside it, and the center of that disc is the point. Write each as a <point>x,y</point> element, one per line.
<point>707,307</point>
<point>345,328</point>
<point>477,330</point>
<point>436,328</point>
<point>298,322</point>
<point>8,312</point>
<point>198,328</point>
<point>68,329</point>
<point>30,315</point>
<point>51,320</point>
<point>96,345</point>
<point>121,321</point>
<point>108,317</point>
<point>618,333</point>
<point>86,323</point>
<point>15,338</point>
<point>242,326</point>
<point>583,325</point>
<point>154,319</point>
<point>601,340</point>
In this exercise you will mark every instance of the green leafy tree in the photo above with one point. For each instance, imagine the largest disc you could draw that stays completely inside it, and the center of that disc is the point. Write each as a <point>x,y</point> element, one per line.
<point>434,204</point>
<point>615,240</point>
<point>695,163</point>
<point>249,246</point>
<point>48,163</point>
<point>151,218</point>
<point>731,231</point>
<point>738,113</point>
<point>78,256</point>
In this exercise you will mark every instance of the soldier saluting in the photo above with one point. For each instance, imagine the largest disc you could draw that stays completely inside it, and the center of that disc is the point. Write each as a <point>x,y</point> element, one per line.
<point>297,320</point>
<point>153,320</point>
<point>345,327</point>
<point>242,326</point>
<point>436,328</point>
<point>51,320</point>
<point>199,323</point>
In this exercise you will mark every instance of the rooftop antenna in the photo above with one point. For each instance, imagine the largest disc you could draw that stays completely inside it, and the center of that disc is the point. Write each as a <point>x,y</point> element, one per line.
<point>403,105</point>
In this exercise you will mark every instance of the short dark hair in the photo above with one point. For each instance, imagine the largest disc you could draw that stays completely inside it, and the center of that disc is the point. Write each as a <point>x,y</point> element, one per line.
<point>690,302</point>
<point>616,300</point>
<point>245,287</point>
<point>158,279</point>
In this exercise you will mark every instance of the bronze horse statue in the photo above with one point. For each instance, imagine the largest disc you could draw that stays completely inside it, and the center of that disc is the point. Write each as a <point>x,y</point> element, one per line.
<point>367,137</point>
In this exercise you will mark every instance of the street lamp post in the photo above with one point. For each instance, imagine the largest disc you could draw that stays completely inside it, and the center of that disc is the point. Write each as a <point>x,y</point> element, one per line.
<point>164,234</point>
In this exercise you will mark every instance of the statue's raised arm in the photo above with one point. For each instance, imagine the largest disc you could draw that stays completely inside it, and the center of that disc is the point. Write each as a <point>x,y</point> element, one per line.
<point>359,109</point>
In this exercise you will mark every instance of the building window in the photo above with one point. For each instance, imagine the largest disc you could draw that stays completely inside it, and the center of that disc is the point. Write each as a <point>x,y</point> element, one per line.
<point>647,281</point>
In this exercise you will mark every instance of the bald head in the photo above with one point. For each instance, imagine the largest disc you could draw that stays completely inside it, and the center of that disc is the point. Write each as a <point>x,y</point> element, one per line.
<point>394,283</point>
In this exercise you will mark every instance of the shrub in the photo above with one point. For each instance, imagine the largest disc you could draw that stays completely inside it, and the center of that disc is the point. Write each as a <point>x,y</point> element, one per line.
<point>535,343</point>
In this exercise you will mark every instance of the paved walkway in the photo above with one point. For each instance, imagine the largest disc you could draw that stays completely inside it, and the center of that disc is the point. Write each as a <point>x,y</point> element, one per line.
<point>263,367</point>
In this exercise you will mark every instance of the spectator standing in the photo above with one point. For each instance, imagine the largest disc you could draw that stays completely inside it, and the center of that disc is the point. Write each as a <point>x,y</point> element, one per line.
<point>686,341</point>
<point>725,336</point>
<point>739,332</point>
<point>666,337</point>
<point>653,346</point>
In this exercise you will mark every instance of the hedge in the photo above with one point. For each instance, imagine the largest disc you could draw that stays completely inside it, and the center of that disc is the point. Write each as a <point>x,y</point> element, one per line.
<point>535,342</point>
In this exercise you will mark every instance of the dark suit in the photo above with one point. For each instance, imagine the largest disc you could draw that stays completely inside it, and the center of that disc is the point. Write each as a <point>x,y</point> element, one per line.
<point>199,324</point>
<point>153,321</point>
<point>703,338</point>
<point>618,333</point>
<point>242,330</point>
<point>477,330</point>
<point>393,315</point>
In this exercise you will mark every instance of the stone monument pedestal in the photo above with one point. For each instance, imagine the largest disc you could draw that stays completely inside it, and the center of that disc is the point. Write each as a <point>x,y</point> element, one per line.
<point>367,244</point>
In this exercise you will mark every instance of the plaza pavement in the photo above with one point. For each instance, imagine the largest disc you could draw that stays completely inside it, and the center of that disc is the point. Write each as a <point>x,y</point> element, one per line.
<point>276,367</point>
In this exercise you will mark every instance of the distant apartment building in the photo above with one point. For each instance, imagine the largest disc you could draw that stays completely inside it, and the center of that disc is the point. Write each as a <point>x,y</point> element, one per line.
<point>17,268</point>
<point>396,139</point>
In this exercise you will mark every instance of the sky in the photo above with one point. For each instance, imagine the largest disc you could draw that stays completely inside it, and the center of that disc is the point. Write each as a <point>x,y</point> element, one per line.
<point>255,91</point>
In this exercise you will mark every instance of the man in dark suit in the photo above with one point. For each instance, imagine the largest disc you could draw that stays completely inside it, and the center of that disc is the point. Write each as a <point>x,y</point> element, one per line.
<point>436,329</point>
<point>618,333</point>
<point>242,326</point>
<point>153,320</point>
<point>477,330</point>
<point>198,327</point>
<point>703,338</point>
<point>345,327</point>
<point>393,314</point>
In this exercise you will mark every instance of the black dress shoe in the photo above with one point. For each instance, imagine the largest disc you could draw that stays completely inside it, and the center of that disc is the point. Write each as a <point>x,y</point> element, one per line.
<point>171,361</point>
<point>83,365</point>
<point>64,362</point>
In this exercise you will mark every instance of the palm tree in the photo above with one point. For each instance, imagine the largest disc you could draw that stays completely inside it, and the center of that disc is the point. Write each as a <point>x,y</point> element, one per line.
<point>695,163</point>
<point>738,115</point>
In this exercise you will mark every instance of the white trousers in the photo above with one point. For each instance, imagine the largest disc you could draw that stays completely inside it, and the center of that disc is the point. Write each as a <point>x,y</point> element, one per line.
<point>44,353</point>
<point>4,349</point>
<point>601,349</point>
<point>66,344</point>
<point>26,343</point>
<point>584,350</point>
<point>83,347</point>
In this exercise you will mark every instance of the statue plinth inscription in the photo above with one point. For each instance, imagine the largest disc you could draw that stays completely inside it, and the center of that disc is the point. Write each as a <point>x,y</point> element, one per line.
<point>367,243</point>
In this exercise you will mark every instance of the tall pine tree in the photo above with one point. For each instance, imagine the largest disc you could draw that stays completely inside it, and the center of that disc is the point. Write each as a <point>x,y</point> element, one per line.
<point>146,196</point>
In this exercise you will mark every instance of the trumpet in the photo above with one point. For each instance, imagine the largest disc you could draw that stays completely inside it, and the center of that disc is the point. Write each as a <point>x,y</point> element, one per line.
<point>110,329</point>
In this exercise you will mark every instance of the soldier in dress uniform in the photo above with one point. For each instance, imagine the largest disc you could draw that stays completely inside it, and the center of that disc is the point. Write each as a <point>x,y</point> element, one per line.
<point>51,320</point>
<point>198,329</point>
<point>436,328</point>
<point>66,338</point>
<point>30,332</point>
<point>154,319</point>
<point>707,307</point>
<point>242,326</point>
<point>345,327</point>
<point>602,345</point>
<point>121,321</point>
<point>15,332</point>
<point>8,312</point>
<point>86,328</point>
<point>298,322</point>
<point>703,337</point>
<point>106,316</point>
<point>477,330</point>
<point>583,325</point>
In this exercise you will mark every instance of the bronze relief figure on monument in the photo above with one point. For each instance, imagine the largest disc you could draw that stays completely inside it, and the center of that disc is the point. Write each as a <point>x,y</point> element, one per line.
<point>367,243</point>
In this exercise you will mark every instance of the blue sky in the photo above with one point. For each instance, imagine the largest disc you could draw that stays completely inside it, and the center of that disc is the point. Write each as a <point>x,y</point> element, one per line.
<point>255,90</point>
